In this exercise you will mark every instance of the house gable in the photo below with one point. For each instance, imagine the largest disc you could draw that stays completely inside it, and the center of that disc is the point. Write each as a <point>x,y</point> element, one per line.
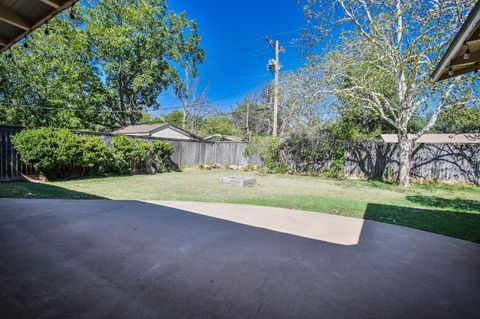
<point>169,132</point>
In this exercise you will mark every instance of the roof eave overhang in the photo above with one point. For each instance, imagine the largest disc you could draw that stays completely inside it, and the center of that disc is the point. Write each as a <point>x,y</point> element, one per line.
<point>13,18</point>
<point>470,25</point>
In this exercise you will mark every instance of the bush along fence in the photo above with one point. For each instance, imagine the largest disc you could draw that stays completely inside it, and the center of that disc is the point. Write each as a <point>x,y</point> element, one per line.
<point>65,154</point>
<point>59,153</point>
<point>191,152</point>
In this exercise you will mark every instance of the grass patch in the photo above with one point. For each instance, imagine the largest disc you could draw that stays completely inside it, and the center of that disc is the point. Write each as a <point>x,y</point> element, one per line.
<point>452,210</point>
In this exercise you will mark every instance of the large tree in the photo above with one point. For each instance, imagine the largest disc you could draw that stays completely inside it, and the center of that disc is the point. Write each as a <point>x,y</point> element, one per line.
<point>252,116</point>
<point>397,43</point>
<point>300,108</point>
<point>102,70</point>
<point>50,80</point>
<point>193,99</point>
<point>139,45</point>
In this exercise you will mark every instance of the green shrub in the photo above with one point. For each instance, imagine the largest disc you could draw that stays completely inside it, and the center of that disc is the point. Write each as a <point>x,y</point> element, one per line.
<point>129,153</point>
<point>49,151</point>
<point>60,153</point>
<point>268,148</point>
<point>337,164</point>
<point>388,176</point>
<point>94,155</point>
<point>301,152</point>
<point>159,155</point>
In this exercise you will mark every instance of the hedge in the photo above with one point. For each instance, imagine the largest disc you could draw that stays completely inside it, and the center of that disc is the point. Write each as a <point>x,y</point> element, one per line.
<point>57,153</point>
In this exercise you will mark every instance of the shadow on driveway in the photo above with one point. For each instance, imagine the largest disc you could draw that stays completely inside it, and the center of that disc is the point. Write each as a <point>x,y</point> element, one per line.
<point>25,189</point>
<point>129,259</point>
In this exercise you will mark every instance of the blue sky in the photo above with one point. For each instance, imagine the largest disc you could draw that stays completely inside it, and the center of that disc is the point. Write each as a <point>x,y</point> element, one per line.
<point>232,36</point>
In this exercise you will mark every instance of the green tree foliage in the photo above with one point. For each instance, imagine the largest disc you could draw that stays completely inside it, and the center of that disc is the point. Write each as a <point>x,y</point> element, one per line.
<point>459,119</point>
<point>258,113</point>
<point>300,152</point>
<point>355,123</point>
<point>385,58</point>
<point>101,70</point>
<point>138,43</point>
<point>147,118</point>
<point>46,81</point>
<point>159,154</point>
<point>216,125</point>
<point>175,117</point>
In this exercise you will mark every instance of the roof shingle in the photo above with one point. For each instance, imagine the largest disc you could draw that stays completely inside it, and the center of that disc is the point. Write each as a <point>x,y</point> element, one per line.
<point>140,129</point>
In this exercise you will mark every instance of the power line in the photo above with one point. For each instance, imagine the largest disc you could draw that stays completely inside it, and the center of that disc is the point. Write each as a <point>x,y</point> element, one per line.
<point>288,32</point>
<point>232,60</point>
<point>208,103</point>
<point>238,45</point>
<point>238,58</point>
<point>203,104</point>
<point>241,55</point>
<point>260,39</point>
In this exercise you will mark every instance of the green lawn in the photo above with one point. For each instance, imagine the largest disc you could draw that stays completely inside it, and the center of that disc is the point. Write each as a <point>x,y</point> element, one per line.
<point>444,209</point>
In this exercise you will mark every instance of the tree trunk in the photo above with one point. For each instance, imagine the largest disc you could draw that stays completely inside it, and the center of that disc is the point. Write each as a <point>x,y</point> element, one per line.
<point>184,116</point>
<point>405,159</point>
<point>133,115</point>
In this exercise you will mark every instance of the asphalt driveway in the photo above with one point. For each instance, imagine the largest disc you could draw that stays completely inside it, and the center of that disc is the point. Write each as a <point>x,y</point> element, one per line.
<point>129,259</point>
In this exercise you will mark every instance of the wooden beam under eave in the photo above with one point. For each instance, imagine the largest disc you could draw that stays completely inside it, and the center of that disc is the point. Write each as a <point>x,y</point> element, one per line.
<point>3,41</point>
<point>53,3</point>
<point>36,24</point>
<point>11,17</point>
<point>475,35</point>
<point>458,72</point>
<point>474,57</point>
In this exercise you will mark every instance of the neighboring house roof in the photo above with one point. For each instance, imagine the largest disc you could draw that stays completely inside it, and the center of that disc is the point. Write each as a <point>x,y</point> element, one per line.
<point>21,17</point>
<point>467,138</point>
<point>140,129</point>
<point>467,38</point>
<point>220,137</point>
<point>149,129</point>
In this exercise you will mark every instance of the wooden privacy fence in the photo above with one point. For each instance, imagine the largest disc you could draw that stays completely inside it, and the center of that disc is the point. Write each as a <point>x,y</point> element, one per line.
<point>430,162</point>
<point>187,153</point>
<point>11,168</point>
<point>455,163</point>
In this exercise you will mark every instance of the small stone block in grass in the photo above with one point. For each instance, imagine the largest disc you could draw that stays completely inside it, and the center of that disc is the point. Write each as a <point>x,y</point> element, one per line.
<point>238,181</point>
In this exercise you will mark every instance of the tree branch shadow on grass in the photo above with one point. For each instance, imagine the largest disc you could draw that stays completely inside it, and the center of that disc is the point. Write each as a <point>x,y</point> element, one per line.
<point>25,189</point>
<point>439,202</point>
<point>459,224</point>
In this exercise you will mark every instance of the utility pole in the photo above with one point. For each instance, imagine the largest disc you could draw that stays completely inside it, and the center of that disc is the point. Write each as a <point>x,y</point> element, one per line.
<point>274,65</point>
<point>186,99</point>
<point>247,120</point>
